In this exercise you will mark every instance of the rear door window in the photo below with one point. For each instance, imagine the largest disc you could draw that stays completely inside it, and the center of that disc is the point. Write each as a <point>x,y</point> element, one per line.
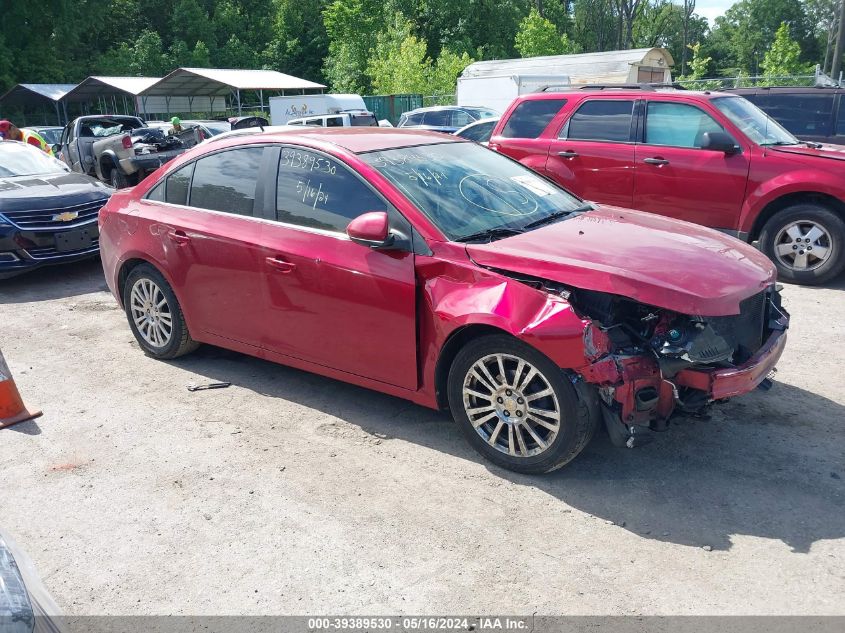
<point>316,191</point>
<point>176,185</point>
<point>677,124</point>
<point>840,117</point>
<point>480,132</point>
<point>601,120</point>
<point>530,118</point>
<point>334,121</point>
<point>226,181</point>
<point>461,118</point>
<point>437,118</point>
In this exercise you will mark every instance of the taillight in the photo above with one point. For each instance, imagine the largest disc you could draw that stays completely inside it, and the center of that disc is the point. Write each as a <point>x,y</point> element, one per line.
<point>127,142</point>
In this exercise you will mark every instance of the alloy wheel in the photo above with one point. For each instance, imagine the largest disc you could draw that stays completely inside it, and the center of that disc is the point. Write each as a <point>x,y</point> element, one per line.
<point>803,245</point>
<point>511,405</point>
<point>151,313</point>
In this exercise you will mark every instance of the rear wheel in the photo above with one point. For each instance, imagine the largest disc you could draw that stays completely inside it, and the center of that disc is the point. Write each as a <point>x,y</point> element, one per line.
<point>516,407</point>
<point>118,179</point>
<point>154,314</point>
<point>806,242</point>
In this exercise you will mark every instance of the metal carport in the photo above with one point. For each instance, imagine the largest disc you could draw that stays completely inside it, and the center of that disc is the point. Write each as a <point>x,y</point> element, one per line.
<point>102,89</point>
<point>220,82</point>
<point>30,95</point>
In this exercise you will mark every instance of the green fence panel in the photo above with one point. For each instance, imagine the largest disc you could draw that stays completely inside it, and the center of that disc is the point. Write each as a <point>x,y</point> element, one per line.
<point>391,107</point>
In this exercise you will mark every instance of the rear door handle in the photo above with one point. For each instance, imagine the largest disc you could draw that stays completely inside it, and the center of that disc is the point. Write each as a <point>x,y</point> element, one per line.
<point>180,237</point>
<point>567,154</point>
<point>656,161</point>
<point>280,264</point>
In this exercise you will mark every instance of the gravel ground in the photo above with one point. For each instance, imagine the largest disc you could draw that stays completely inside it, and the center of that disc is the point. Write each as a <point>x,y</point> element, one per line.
<point>289,493</point>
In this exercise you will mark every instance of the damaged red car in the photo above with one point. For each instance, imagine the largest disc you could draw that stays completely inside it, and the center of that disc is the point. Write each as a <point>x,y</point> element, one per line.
<point>438,271</point>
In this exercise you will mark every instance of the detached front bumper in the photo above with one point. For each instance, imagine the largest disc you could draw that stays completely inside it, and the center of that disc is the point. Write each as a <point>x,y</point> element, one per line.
<point>727,383</point>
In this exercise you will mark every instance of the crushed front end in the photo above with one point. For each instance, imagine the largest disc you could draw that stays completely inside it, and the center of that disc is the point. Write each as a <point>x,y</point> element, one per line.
<point>651,363</point>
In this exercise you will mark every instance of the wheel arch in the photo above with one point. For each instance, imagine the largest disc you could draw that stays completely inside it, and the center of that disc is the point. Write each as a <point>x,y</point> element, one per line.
<point>453,344</point>
<point>105,162</point>
<point>787,200</point>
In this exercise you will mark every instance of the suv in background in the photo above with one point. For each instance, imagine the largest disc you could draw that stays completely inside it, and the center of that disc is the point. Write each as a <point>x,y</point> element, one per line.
<point>811,114</point>
<point>447,119</point>
<point>706,157</point>
<point>346,118</point>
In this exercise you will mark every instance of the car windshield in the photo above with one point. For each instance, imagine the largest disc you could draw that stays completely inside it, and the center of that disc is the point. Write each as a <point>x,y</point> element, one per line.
<point>216,127</point>
<point>51,135</point>
<point>467,190</point>
<point>756,124</point>
<point>17,159</point>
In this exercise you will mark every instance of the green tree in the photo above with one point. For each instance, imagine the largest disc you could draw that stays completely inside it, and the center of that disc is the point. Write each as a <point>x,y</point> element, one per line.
<point>783,57</point>
<point>352,27</point>
<point>148,56</point>
<point>538,36</point>
<point>398,62</point>
<point>443,74</point>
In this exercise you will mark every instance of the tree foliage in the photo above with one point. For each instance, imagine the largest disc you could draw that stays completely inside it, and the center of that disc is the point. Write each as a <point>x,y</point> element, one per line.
<point>358,45</point>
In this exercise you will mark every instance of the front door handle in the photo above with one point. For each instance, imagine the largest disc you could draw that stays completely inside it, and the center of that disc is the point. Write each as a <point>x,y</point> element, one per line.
<point>179,237</point>
<point>280,264</point>
<point>567,154</point>
<point>656,161</point>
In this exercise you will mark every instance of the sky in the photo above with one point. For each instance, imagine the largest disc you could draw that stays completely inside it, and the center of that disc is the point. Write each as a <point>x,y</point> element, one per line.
<point>711,9</point>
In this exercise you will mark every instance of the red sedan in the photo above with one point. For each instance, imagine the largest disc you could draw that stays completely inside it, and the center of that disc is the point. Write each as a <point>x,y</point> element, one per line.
<point>433,269</point>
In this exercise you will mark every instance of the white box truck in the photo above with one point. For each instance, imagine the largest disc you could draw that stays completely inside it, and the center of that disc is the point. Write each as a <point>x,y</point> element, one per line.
<point>497,92</point>
<point>283,109</point>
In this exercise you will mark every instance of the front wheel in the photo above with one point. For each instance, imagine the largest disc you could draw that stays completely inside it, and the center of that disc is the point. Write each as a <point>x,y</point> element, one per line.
<point>516,407</point>
<point>806,242</point>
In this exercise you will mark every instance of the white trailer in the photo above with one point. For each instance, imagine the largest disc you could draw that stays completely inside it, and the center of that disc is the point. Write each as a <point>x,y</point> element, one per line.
<point>283,109</point>
<point>497,91</point>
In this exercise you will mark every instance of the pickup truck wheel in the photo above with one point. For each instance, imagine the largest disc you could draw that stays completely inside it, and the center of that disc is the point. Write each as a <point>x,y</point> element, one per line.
<point>118,179</point>
<point>516,407</point>
<point>806,242</point>
<point>154,314</point>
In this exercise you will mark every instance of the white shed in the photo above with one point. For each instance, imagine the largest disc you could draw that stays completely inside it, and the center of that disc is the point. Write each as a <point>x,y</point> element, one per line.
<point>639,65</point>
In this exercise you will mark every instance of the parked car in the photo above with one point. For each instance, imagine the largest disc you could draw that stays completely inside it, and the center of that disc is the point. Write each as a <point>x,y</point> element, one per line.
<point>48,215</point>
<point>432,269</point>
<point>356,118</point>
<point>49,133</point>
<point>706,157</point>
<point>811,114</point>
<point>447,119</point>
<point>479,131</point>
<point>120,150</point>
<point>250,131</point>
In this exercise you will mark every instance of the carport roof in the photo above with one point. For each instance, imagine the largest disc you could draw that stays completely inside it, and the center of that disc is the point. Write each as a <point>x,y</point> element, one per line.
<point>93,87</point>
<point>22,93</point>
<point>186,82</point>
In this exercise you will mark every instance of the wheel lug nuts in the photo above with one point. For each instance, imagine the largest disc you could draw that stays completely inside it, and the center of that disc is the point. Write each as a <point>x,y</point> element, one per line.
<point>794,247</point>
<point>519,414</point>
<point>801,252</point>
<point>520,401</point>
<point>499,400</point>
<point>508,392</point>
<point>507,413</point>
<point>809,248</point>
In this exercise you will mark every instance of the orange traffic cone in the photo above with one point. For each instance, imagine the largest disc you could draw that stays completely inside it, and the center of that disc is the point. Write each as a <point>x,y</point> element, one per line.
<point>12,408</point>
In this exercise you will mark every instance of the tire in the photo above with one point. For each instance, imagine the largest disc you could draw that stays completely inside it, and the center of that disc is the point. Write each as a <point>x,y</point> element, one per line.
<point>576,415</point>
<point>118,179</point>
<point>783,240</point>
<point>148,323</point>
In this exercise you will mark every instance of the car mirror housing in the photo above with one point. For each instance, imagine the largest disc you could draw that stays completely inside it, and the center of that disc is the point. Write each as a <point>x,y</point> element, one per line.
<point>370,229</point>
<point>719,142</point>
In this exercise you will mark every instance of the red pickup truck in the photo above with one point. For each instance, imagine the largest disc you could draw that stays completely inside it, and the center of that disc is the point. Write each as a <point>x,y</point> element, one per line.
<point>706,157</point>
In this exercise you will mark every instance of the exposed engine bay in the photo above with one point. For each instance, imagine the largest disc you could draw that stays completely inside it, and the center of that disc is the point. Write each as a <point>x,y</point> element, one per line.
<point>650,364</point>
<point>148,139</point>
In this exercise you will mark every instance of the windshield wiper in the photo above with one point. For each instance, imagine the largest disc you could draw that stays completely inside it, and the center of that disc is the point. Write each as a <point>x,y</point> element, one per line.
<point>557,215</point>
<point>490,234</point>
<point>780,143</point>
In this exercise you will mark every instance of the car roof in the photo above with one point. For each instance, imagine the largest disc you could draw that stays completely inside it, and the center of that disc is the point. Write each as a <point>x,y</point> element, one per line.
<point>784,89</point>
<point>626,92</point>
<point>358,139</point>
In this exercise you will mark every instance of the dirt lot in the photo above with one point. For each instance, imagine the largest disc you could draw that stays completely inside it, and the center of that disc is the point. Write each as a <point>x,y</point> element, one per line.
<point>291,493</point>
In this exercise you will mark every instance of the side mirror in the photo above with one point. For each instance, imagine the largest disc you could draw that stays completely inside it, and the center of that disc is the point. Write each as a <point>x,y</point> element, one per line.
<point>370,229</point>
<point>719,142</point>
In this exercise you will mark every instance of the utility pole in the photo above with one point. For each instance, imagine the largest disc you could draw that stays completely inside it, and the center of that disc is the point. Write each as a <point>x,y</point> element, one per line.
<point>836,65</point>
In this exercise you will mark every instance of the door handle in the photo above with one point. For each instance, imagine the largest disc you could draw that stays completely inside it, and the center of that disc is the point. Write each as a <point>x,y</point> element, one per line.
<point>656,161</point>
<point>179,237</point>
<point>280,264</point>
<point>567,154</point>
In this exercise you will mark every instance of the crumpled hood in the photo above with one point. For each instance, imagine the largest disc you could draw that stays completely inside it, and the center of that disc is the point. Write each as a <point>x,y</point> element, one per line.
<point>21,192</point>
<point>652,259</point>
